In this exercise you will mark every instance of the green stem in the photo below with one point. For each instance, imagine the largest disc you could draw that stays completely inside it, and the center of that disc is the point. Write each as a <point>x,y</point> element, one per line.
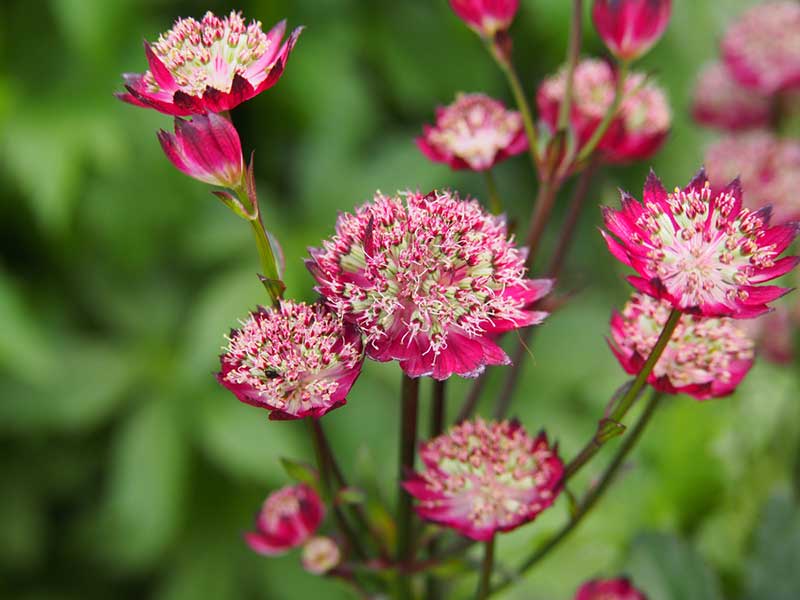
<point>485,579</point>
<point>323,465</point>
<point>592,496</point>
<point>521,100</point>
<point>545,200</point>
<point>627,400</point>
<point>495,203</point>
<point>408,442</point>
<point>573,54</point>
<point>598,134</point>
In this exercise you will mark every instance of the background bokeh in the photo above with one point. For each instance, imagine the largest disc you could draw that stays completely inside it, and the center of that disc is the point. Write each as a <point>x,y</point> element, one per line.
<point>127,472</point>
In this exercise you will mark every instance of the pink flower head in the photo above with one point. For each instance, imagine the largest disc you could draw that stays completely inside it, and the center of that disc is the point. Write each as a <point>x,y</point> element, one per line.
<point>288,518</point>
<point>295,360</point>
<point>475,132</point>
<point>699,249</point>
<point>706,357</point>
<point>721,102</point>
<point>768,167</point>
<point>207,147</point>
<point>211,65</point>
<point>635,134</point>
<point>320,555</point>
<point>482,478</point>
<point>630,27</point>
<point>430,280</point>
<point>609,589</point>
<point>762,49</point>
<point>486,17</point>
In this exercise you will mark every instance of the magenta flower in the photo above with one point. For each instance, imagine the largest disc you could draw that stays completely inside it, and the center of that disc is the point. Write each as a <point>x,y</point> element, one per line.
<point>721,102</point>
<point>320,555</point>
<point>288,518</point>
<point>706,357</point>
<point>762,49</point>
<point>207,148</point>
<point>486,17</point>
<point>636,133</point>
<point>210,65</point>
<point>430,280</point>
<point>475,132</point>
<point>629,28</point>
<point>295,360</point>
<point>609,589</point>
<point>481,478</point>
<point>768,167</point>
<point>699,249</point>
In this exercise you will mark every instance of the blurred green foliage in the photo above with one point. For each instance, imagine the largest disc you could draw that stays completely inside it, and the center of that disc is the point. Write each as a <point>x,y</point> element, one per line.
<point>127,472</point>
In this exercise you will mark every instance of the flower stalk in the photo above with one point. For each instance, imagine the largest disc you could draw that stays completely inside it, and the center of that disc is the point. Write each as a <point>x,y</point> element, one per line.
<point>495,203</point>
<point>409,405</point>
<point>485,578</point>
<point>602,128</point>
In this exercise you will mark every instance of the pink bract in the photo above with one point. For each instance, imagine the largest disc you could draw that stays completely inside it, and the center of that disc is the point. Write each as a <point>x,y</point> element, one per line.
<point>475,132</point>
<point>288,518</point>
<point>636,133</point>
<point>700,249</point>
<point>486,17</point>
<point>721,102</point>
<point>295,360</point>
<point>430,280</point>
<point>630,28</point>
<point>609,589</point>
<point>481,478</point>
<point>769,168</point>
<point>207,148</point>
<point>211,65</point>
<point>762,48</point>
<point>706,357</point>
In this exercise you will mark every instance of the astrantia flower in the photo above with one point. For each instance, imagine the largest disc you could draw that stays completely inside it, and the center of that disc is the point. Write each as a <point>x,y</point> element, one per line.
<point>720,101</point>
<point>288,518</point>
<point>609,589</point>
<point>486,17</point>
<point>481,478</point>
<point>768,167</point>
<point>320,555</point>
<point>762,49</point>
<point>210,65</point>
<point>706,357</point>
<point>636,133</point>
<point>475,132</point>
<point>699,249</point>
<point>295,360</point>
<point>206,148</point>
<point>430,280</point>
<point>630,27</point>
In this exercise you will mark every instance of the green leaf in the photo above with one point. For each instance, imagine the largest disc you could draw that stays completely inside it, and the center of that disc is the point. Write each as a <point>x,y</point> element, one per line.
<point>667,568</point>
<point>300,472</point>
<point>772,570</point>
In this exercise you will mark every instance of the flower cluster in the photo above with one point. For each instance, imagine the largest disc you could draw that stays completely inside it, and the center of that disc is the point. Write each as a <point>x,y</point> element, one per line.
<point>700,249</point>
<point>211,65</point>
<point>475,132</point>
<point>640,127</point>
<point>481,478</point>
<point>721,101</point>
<point>288,519</point>
<point>768,167</point>
<point>295,360</point>
<point>609,589</point>
<point>430,280</point>
<point>705,358</point>
<point>762,48</point>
